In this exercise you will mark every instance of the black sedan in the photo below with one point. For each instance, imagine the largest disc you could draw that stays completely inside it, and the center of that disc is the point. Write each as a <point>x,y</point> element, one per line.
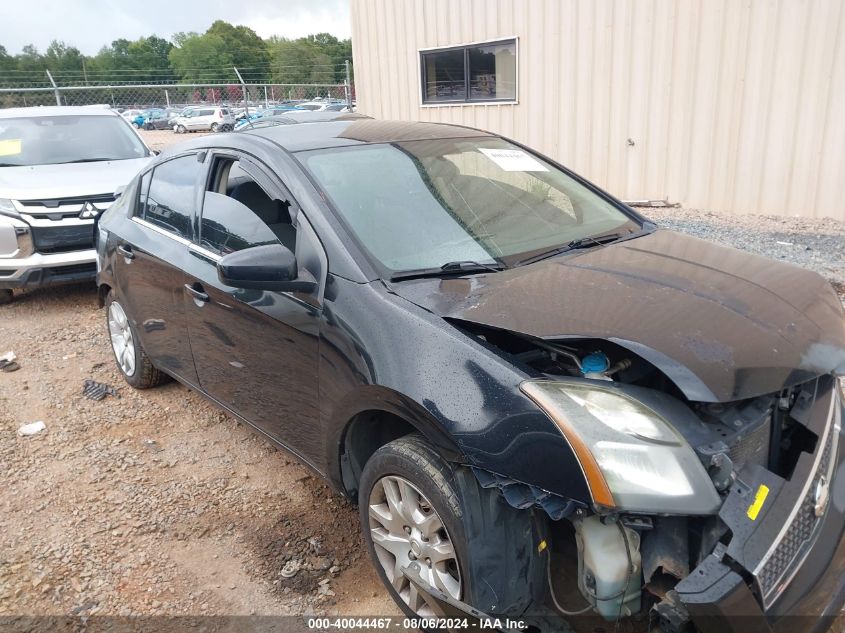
<point>520,381</point>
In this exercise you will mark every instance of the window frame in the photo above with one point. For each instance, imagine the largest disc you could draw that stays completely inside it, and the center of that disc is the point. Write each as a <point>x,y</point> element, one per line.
<point>138,214</point>
<point>466,101</point>
<point>256,170</point>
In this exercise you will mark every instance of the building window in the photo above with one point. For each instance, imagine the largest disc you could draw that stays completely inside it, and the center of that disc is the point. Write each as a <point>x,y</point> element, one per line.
<point>472,73</point>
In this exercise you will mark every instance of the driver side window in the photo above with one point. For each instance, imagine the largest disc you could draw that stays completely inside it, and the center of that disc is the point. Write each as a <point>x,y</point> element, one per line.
<point>238,212</point>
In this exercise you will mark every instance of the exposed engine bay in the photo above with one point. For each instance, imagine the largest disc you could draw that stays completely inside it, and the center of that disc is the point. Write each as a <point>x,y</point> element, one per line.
<point>632,563</point>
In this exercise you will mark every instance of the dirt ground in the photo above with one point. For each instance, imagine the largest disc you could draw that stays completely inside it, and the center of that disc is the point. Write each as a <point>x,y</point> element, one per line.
<point>152,502</point>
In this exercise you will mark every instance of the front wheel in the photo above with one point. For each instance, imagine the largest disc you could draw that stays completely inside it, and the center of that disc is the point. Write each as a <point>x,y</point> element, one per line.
<point>180,129</point>
<point>410,512</point>
<point>132,361</point>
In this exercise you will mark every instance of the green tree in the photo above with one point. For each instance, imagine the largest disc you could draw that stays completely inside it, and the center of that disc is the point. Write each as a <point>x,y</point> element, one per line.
<point>212,56</point>
<point>201,58</point>
<point>31,61</point>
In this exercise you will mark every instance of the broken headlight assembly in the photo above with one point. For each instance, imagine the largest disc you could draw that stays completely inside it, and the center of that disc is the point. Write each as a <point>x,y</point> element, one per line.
<point>633,459</point>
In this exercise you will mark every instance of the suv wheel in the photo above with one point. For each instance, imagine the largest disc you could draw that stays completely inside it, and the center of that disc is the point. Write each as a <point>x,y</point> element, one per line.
<point>214,127</point>
<point>132,361</point>
<point>410,512</point>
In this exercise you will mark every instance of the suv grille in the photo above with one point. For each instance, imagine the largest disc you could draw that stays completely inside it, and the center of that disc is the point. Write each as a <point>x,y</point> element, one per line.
<point>57,203</point>
<point>62,239</point>
<point>798,537</point>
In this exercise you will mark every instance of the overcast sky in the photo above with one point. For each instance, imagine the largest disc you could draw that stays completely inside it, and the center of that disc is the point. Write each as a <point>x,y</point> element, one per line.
<point>91,24</point>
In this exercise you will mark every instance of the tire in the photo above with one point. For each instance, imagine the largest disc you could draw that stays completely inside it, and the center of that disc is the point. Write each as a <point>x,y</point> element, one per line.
<point>132,362</point>
<point>180,129</point>
<point>214,127</point>
<point>6,296</point>
<point>411,468</point>
<point>136,126</point>
<point>492,542</point>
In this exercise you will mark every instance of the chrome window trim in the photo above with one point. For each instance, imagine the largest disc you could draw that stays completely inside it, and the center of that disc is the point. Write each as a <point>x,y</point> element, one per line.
<point>161,231</point>
<point>204,252</point>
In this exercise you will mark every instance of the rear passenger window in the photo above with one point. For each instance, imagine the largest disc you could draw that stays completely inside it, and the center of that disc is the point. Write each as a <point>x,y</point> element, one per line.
<point>238,213</point>
<point>171,195</point>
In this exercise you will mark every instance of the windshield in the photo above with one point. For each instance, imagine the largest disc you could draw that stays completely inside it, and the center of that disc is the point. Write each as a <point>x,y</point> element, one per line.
<point>422,204</point>
<point>49,140</point>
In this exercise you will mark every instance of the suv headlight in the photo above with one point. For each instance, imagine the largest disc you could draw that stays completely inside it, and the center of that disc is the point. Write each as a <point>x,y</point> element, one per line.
<point>633,458</point>
<point>7,208</point>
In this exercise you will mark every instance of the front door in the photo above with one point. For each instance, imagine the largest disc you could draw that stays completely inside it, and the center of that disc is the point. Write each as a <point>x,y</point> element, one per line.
<point>255,352</point>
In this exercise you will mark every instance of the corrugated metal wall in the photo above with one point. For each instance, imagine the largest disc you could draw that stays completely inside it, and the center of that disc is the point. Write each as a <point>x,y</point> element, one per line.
<point>732,105</point>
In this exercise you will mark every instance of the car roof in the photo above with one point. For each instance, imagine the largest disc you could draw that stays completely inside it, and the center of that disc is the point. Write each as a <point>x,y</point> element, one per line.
<point>341,133</point>
<point>40,111</point>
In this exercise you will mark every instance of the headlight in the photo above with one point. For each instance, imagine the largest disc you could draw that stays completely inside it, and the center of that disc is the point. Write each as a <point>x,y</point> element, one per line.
<point>633,459</point>
<point>7,208</point>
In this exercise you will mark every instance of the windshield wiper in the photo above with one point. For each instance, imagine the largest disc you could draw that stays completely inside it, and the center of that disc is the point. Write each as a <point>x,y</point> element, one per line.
<point>583,242</point>
<point>466,266</point>
<point>11,165</point>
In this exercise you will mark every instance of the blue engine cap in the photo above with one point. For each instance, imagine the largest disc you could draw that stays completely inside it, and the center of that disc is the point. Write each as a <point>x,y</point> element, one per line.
<point>595,363</point>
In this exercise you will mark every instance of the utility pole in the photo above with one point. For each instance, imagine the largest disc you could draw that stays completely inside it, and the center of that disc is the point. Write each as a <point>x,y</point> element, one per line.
<point>243,87</point>
<point>55,88</point>
<point>266,103</point>
<point>348,86</point>
<point>167,97</point>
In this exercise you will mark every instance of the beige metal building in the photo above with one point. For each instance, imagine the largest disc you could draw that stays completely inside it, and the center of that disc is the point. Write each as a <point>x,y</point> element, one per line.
<point>732,105</point>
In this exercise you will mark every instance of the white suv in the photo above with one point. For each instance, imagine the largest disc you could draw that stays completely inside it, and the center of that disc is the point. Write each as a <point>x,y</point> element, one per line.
<point>216,119</point>
<point>59,168</point>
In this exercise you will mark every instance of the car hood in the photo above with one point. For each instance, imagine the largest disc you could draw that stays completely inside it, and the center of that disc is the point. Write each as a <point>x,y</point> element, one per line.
<point>722,324</point>
<point>41,182</point>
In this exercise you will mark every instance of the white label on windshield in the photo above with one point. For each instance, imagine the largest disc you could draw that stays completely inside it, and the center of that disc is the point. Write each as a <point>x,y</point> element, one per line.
<point>513,159</point>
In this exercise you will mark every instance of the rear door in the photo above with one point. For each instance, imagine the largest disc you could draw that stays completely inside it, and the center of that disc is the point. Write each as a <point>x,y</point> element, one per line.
<point>152,253</point>
<point>256,352</point>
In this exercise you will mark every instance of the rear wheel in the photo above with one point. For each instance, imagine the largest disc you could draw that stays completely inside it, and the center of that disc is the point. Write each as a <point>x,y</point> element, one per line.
<point>132,361</point>
<point>214,127</point>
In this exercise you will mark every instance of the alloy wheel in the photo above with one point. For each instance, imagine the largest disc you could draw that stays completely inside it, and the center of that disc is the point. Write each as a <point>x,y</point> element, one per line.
<point>404,527</point>
<point>122,341</point>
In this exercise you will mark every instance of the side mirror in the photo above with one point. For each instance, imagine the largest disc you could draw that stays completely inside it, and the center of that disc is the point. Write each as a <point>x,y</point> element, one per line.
<point>268,267</point>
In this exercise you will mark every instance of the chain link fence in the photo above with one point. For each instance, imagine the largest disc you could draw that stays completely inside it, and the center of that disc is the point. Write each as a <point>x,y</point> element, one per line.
<point>143,96</point>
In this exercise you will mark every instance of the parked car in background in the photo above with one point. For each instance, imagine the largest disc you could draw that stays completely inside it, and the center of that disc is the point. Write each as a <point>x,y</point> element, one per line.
<point>298,116</point>
<point>259,115</point>
<point>520,380</point>
<point>131,114</point>
<point>139,121</point>
<point>318,106</point>
<point>59,168</point>
<point>158,120</point>
<point>214,118</point>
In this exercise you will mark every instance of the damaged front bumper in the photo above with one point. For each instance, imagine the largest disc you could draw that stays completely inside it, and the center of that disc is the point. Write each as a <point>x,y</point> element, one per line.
<point>783,568</point>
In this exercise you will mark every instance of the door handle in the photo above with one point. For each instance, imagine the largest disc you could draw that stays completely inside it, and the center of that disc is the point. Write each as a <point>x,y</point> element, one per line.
<point>197,292</point>
<point>126,251</point>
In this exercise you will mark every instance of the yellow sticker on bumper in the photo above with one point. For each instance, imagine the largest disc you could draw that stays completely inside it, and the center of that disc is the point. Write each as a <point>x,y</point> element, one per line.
<point>10,147</point>
<point>759,500</point>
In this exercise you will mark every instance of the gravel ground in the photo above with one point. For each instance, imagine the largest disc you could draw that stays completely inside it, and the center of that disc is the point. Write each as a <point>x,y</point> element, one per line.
<point>157,503</point>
